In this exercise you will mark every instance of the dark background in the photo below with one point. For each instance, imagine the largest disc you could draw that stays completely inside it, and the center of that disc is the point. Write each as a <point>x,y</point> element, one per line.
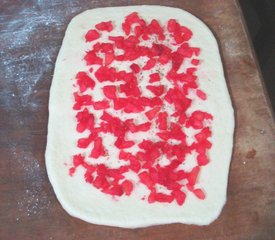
<point>260,19</point>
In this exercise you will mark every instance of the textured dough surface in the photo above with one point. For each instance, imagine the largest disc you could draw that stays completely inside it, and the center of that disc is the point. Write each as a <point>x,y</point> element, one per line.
<point>83,201</point>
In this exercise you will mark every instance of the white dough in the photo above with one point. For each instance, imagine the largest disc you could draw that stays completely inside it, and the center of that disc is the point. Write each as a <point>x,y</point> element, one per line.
<point>81,199</point>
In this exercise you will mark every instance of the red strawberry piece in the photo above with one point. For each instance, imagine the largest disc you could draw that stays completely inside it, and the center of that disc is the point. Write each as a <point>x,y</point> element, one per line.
<point>121,143</point>
<point>152,113</point>
<point>162,121</point>
<point>98,149</point>
<point>195,62</point>
<point>99,105</point>
<point>202,159</point>
<point>133,106</point>
<point>85,142</point>
<point>192,176</point>
<point>109,58</point>
<point>196,51</point>
<point>71,171</point>
<point>199,193</point>
<point>185,50</point>
<point>78,160</point>
<point>104,26</point>
<point>196,119</point>
<point>155,101</point>
<point>114,191</point>
<point>146,179</point>
<point>130,88</point>
<point>120,103</point>
<point>124,155</point>
<point>105,74</point>
<point>146,144</point>
<point>131,19</point>
<point>81,100</point>
<point>144,127</point>
<point>109,91</point>
<point>84,81</point>
<point>106,117</point>
<point>127,187</point>
<point>92,35</point>
<point>135,68</point>
<point>92,58</point>
<point>88,174</point>
<point>152,196</point>
<point>179,196</point>
<point>177,60</point>
<point>204,134</point>
<point>101,182</point>
<point>156,90</point>
<point>85,120</point>
<point>201,94</point>
<point>161,197</point>
<point>150,64</point>
<point>154,77</point>
<point>172,25</point>
<point>154,27</point>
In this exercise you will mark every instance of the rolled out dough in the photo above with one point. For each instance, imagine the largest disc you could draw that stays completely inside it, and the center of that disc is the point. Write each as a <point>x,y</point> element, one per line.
<point>83,201</point>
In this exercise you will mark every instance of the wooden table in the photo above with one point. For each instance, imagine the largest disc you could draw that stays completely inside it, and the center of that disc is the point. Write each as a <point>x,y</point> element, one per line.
<point>31,35</point>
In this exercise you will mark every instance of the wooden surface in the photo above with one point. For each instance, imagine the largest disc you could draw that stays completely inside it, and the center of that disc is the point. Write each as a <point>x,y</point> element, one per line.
<point>31,35</point>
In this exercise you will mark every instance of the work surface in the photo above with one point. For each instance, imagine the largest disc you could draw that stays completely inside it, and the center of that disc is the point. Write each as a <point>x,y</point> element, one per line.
<point>30,38</point>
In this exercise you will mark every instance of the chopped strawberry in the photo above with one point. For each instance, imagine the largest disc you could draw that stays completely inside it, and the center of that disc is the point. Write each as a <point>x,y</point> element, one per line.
<point>152,113</point>
<point>84,81</point>
<point>98,149</point>
<point>92,35</point>
<point>150,64</point>
<point>127,187</point>
<point>99,105</point>
<point>104,26</point>
<point>199,193</point>
<point>135,68</point>
<point>201,94</point>
<point>110,91</point>
<point>154,77</point>
<point>92,58</point>
<point>156,90</point>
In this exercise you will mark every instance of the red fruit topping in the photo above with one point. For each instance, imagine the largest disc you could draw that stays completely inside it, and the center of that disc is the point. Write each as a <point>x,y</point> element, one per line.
<point>104,26</point>
<point>145,178</point>
<point>199,193</point>
<point>168,112</point>
<point>157,90</point>
<point>201,94</point>
<point>92,58</point>
<point>101,105</point>
<point>92,35</point>
<point>135,68</point>
<point>81,100</point>
<point>120,143</point>
<point>195,62</point>
<point>154,77</point>
<point>84,81</point>
<point>127,187</point>
<point>150,64</point>
<point>162,121</point>
<point>98,149</point>
<point>192,176</point>
<point>78,160</point>
<point>202,159</point>
<point>109,91</point>
<point>105,74</point>
<point>152,113</point>
<point>179,196</point>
